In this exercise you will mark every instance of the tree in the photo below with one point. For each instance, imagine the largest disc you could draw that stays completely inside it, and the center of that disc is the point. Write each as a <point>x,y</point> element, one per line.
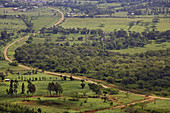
<point>13,63</point>
<point>83,85</point>
<point>111,91</point>
<point>4,35</point>
<point>58,88</point>
<point>71,78</point>
<point>31,87</point>
<point>95,88</point>
<point>30,39</point>
<point>39,110</point>
<point>128,93</point>
<point>105,98</point>
<point>74,70</point>
<point>49,88</point>
<point>23,89</point>
<point>80,38</point>
<point>67,44</point>
<point>15,86</point>
<point>61,76</point>
<point>65,77</point>
<point>10,91</point>
<point>111,103</point>
<point>2,76</point>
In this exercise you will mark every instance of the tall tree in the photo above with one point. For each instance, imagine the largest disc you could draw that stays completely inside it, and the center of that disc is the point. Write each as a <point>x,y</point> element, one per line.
<point>4,35</point>
<point>58,88</point>
<point>31,87</point>
<point>15,86</point>
<point>23,89</point>
<point>49,88</point>
<point>10,91</point>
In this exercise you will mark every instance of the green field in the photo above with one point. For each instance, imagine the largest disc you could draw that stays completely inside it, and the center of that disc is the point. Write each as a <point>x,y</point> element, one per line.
<point>4,66</point>
<point>111,111</point>
<point>147,47</point>
<point>109,24</point>
<point>164,24</point>
<point>46,17</point>
<point>160,104</point>
<point>60,104</point>
<point>41,17</point>
<point>56,104</point>
<point>104,5</point>
<point>12,24</point>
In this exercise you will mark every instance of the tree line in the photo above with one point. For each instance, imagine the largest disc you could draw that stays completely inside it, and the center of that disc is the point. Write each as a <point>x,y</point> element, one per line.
<point>118,39</point>
<point>13,88</point>
<point>146,71</point>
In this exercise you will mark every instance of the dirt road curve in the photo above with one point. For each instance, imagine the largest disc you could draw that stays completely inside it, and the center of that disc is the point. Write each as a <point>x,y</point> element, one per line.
<point>8,46</point>
<point>151,98</point>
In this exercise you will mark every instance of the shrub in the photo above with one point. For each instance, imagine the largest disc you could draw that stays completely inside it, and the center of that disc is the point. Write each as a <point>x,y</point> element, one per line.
<point>13,63</point>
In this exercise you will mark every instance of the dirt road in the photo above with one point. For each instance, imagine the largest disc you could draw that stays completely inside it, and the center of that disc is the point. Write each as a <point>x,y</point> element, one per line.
<point>8,46</point>
<point>78,78</point>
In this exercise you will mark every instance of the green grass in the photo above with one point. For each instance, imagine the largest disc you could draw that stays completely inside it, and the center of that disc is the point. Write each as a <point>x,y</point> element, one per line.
<point>69,87</point>
<point>111,111</point>
<point>33,12</point>
<point>41,89</point>
<point>9,10</point>
<point>145,48</point>
<point>125,100</point>
<point>161,104</point>
<point>114,23</point>
<point>93,23</point>
<point>4,66</point>
<point>61,105</point>
<point>104,5</point>
<point>164,24</point>
<point>8,24</point>
<point>43,17</point>
<point>44,21</point>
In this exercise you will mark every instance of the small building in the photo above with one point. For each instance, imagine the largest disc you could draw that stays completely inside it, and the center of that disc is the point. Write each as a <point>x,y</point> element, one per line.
<point>7,80</point>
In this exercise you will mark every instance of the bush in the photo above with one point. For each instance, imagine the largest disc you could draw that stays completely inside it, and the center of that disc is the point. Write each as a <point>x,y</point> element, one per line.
<point>113,91</point>
<point>13,63</point>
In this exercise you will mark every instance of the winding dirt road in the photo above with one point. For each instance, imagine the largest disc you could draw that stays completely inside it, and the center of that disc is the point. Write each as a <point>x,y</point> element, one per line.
<point>151,98</point>
<point>8,46</point>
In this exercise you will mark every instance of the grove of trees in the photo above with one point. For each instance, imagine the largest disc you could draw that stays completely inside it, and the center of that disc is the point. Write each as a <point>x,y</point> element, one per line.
<point>147,71</point>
